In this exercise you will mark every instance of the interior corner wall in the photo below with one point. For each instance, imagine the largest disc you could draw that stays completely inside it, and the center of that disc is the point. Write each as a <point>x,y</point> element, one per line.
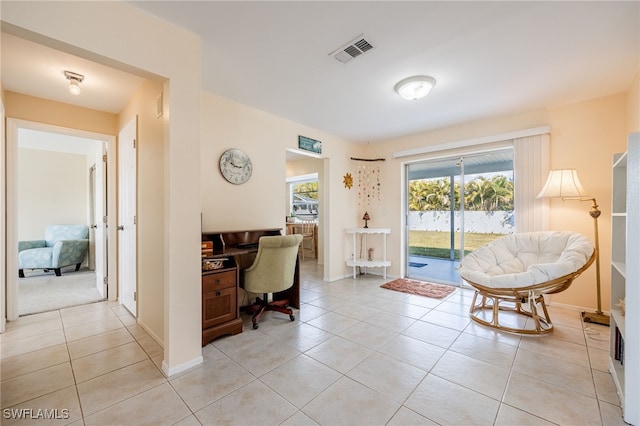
<point>120,35</point>
<point>52,188</point>
<point>150,204</point>
<point>260,203</point>
<point>585,136</point>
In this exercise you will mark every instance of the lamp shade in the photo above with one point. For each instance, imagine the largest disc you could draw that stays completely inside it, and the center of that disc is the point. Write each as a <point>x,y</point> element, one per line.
<point>562,184</point>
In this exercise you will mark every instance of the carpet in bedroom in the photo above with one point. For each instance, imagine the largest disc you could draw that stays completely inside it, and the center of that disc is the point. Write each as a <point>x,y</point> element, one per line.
<point>42,292</point>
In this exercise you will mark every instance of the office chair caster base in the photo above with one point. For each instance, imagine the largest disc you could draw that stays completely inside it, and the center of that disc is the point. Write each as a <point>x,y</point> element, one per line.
<point>292,318</point>
<point>255,326</point>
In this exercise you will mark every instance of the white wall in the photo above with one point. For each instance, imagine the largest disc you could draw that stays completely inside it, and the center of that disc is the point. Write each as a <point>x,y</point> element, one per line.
<point>52,189</point>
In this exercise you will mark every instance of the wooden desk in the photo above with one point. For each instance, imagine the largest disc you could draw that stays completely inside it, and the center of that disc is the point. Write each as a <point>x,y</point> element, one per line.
<point>240,247</point>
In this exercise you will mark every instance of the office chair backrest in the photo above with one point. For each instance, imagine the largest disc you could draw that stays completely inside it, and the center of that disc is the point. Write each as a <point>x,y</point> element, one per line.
<point>274,266</point>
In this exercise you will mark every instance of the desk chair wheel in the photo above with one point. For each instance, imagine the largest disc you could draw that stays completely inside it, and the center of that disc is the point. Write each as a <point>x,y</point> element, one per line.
<point>292,318</point>
<point>255,325</point>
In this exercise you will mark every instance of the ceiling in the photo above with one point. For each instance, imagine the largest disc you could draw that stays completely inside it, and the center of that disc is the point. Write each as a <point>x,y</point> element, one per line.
<point>37,70</point>
<point>488,58</point>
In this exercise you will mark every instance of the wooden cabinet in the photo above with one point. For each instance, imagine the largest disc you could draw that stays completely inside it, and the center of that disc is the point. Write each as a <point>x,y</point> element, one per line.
<point>624,361</point>
<point>220,313</point>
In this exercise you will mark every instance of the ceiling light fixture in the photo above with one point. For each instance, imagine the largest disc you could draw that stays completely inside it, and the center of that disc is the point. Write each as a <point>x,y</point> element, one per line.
<point>416,87</point>
<point>74,81</point>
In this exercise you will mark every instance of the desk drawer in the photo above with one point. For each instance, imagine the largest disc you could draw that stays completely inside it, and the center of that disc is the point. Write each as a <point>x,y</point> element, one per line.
<point>218,281</point>
<point>219,307</point>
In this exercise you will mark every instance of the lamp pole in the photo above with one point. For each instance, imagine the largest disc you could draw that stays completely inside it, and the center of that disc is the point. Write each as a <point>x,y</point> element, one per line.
<point>598,316</point>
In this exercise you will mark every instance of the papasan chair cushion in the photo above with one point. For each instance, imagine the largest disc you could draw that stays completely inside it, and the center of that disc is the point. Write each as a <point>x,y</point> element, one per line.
<point>519,269</point>
<point>525,259</point>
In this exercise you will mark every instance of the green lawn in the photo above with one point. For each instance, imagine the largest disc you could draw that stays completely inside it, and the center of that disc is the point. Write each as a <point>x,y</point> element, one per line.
<point>436,244</point>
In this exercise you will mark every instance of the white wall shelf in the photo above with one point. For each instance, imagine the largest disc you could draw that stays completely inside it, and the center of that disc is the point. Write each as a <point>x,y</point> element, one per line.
<point>363,261</point>
<point>625,279</point>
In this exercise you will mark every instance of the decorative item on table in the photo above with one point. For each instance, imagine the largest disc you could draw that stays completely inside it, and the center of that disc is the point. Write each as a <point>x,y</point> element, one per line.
<point>212,264</point>
<point>291,218</point>
<point>370,254</point>
<point>366,219</point>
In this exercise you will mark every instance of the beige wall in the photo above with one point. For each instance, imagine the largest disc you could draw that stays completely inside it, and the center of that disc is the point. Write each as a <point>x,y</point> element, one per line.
<point>584,136</point>
<point>388,213</point>
<point>40,110</point>
<point>118,34</point>
<point>260,203</point>
<point>150,204</point>
<point>52,189</point>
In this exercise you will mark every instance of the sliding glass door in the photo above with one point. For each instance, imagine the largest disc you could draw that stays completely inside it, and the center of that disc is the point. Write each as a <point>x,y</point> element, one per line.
<point>455,205</point>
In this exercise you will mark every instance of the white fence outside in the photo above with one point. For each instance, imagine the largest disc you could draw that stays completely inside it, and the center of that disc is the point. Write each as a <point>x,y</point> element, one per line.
<point>486,222</point>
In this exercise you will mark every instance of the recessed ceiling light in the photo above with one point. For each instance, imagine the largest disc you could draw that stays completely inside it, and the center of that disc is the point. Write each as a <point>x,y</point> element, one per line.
<point>415,87</point>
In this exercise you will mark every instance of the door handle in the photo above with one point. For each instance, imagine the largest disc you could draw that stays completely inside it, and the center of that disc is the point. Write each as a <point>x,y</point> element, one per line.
<point>94,226</point>
<point>120,228</point>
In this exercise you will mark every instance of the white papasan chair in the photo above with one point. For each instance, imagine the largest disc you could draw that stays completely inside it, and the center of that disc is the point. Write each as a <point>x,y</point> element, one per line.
<point>514,273</point>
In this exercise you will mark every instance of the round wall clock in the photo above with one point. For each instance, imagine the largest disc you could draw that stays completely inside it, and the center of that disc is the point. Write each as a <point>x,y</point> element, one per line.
<point>235,166</point>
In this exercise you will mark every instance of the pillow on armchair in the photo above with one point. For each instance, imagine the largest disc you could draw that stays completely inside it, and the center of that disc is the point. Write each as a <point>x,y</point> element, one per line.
<point>63,245</point>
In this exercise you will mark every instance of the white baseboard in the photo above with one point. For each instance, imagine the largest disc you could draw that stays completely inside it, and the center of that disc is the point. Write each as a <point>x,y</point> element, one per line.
<point>182,367</point>
<point>574,307</point>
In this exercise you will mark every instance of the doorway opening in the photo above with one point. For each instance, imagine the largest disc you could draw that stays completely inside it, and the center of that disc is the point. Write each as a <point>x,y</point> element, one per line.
<point>306,195</point>
<point>55,176</point>
<point>454,206</point>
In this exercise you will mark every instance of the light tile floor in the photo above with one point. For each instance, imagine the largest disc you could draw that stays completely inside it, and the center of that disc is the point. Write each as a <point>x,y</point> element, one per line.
<point>355,355</point>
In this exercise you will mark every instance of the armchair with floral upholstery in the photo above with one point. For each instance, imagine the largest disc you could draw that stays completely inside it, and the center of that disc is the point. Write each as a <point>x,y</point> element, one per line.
<point>63,245</point>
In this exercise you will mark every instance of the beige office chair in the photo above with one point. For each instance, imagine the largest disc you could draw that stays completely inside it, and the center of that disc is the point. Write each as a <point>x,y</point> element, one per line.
<point>272,271</point>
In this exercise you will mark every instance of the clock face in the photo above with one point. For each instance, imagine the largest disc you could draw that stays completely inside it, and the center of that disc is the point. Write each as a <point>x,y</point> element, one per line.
<point>235,166</point>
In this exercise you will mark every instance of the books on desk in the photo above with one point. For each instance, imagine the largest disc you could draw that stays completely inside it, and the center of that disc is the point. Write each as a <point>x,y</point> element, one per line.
<point>206,248</point>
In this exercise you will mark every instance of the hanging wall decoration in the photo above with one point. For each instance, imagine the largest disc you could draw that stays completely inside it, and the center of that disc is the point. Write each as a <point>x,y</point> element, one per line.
<point>347,180</point>
<point>368,182</point>
<point>309,144</point>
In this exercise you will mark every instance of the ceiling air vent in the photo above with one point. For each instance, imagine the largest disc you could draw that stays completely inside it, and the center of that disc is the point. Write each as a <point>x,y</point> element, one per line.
<point>352,50</point>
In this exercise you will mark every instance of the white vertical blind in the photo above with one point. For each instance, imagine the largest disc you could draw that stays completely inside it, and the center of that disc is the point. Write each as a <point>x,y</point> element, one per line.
<point>531,167</point>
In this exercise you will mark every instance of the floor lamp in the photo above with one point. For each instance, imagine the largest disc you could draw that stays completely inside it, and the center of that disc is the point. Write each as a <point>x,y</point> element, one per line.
<point>565,184</point>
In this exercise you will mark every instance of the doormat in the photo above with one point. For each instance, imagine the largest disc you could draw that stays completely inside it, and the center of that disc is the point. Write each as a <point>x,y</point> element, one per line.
<point>417,265</point>
<point>435,291</point>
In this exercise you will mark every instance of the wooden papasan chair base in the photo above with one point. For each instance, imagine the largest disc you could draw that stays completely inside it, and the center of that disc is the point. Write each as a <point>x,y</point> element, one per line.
<point>514,273</point>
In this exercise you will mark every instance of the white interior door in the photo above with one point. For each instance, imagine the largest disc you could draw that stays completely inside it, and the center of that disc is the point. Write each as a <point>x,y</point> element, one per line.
<point>127,193</point>
<point>99,221</point>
